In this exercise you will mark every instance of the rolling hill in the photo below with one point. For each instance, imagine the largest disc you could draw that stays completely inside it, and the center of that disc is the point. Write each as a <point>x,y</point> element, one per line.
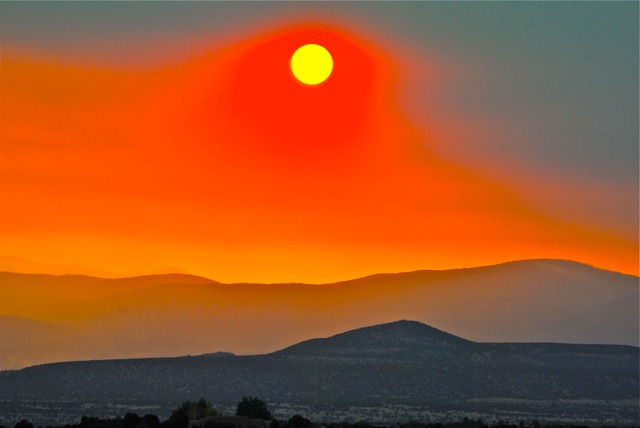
<point>403,365</point>
<point>177,314</point>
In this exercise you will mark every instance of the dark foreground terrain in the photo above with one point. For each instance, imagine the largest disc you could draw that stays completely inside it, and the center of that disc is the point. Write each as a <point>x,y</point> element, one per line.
<point>392,372</point>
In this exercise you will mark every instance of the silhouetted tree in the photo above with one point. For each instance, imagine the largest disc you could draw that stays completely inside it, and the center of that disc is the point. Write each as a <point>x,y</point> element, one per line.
<point>23,424</point>
<point>415,424</point>
<point>188,410</point>
<point>130,420</point>
<point>298,421</point>
<point>150,421</point>
<point>216,424</point>
<point>202,409</point>
<point>253,408</point>
<point>180,417</point>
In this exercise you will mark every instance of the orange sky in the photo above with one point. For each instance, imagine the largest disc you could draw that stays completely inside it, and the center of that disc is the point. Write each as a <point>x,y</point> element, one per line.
<point>226,166</point>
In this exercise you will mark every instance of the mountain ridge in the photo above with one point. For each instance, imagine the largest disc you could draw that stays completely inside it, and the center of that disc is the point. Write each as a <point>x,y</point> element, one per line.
<point>560,262</point>
<point>21,265</point>
<point>171,315</point>
<point>399,365</point>
<point>181,272</point>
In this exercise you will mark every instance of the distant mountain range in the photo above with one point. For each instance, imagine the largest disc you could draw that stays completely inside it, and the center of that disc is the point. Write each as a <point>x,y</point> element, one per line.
<point>399,367</point>
<point>179,314</point>
<point>20,265</point>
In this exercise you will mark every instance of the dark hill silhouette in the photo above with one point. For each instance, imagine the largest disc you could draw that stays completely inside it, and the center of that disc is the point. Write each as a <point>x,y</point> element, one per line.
<point>396,364</point>
<point>396,340</point>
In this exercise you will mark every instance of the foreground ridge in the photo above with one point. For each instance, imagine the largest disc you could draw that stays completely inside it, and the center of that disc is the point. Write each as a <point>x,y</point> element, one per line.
<point>400,365</point>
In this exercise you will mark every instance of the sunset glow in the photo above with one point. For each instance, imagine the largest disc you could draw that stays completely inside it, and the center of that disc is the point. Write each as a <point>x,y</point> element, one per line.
<point>239,175</point>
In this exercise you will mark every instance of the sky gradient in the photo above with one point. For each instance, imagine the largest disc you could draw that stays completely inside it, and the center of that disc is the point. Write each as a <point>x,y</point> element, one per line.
<point>140,135</point>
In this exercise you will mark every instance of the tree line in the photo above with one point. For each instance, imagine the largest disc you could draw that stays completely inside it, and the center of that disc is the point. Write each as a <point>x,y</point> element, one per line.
<point>256,408</point>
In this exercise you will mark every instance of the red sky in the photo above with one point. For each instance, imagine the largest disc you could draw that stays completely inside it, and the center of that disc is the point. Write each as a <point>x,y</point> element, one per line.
<point>224,165</point>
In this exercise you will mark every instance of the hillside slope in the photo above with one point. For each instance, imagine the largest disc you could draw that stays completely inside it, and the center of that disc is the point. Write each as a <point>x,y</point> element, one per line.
<point>403,363</point>
<point>171,315</point>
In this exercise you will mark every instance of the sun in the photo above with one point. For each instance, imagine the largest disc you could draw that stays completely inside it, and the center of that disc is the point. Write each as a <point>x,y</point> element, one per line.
<point>311,64</point>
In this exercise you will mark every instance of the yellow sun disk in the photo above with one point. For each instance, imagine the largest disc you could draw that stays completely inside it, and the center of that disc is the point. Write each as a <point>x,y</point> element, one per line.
<point>311,64</point>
